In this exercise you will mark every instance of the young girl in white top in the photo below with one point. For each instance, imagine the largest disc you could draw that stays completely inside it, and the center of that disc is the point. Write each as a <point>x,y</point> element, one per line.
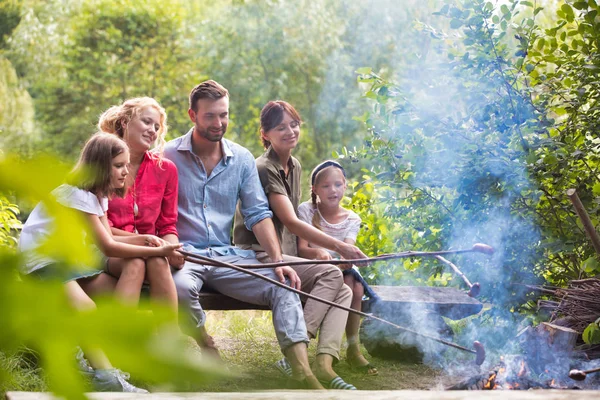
<point>328,181</point>
<point>105,157</point>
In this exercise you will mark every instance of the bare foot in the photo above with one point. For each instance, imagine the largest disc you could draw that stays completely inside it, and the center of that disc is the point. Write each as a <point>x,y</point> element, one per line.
<point>357,361</point>
<point>208,346</point>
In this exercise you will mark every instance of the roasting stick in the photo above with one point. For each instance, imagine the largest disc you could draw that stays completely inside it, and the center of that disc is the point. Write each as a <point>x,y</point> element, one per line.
<point>477,248</point>
<point>198,259</point>
<point>581,375</point>
<point>474,288</point>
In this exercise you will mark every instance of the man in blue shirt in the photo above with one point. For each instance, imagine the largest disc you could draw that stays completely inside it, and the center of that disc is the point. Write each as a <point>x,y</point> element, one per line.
<point>214,173</point>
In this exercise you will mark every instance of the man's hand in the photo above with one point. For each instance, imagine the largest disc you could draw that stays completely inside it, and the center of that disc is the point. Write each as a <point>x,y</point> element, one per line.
<point>282,272</point>
<point>176,260</point>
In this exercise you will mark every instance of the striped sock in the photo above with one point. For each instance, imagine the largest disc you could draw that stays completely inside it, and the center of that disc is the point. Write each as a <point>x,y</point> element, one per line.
<point>338,383</point>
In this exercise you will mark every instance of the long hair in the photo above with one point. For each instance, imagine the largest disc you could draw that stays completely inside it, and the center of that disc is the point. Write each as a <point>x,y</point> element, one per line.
<point>271,115</point>
<point>317,173</point>
<point>116,119</point>
<point>95,165</point>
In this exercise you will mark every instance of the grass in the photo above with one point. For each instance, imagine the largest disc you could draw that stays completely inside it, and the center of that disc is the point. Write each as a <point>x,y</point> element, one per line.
<point>19,371</point>
<point>248,346</point>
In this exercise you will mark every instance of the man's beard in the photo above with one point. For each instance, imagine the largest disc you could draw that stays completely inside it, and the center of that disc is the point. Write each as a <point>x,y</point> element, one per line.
<point>211,136</point>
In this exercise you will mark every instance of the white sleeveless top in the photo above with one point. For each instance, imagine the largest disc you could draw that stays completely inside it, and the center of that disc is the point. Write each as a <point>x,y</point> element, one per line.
<point>347,229</point>
<point>39,224</point>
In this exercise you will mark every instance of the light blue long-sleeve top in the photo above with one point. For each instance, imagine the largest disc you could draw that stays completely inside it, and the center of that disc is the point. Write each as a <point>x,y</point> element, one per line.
<point>207,204</point>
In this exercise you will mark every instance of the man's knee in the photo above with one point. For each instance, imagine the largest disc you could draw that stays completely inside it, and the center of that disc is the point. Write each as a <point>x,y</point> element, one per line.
<point>187,286</point>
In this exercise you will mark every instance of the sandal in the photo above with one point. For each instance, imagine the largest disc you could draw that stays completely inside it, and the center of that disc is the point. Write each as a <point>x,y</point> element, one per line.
<point>284,367</point>
<point>367,369</point>
<point>337,383</point>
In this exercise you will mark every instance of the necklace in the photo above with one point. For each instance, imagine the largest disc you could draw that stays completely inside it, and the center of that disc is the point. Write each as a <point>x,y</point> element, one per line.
<point>135,208</point>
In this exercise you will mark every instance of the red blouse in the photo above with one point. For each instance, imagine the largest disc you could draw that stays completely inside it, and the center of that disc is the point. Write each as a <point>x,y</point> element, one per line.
<point>155,192</point>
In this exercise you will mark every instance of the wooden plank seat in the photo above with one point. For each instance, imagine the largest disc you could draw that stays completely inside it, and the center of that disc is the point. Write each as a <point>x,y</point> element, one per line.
<point>445,301</point>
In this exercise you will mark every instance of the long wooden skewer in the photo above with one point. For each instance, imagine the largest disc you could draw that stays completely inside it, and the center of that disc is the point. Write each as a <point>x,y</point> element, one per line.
<point>474,288</point>
<point>477,248</point>
<point>198,259</point>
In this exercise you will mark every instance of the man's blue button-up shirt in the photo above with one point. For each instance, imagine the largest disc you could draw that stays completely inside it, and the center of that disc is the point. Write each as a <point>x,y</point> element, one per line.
<point>207,203</point>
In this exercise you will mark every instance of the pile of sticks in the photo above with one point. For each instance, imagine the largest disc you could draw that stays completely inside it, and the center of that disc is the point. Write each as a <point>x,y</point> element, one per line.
<point>578,304</point>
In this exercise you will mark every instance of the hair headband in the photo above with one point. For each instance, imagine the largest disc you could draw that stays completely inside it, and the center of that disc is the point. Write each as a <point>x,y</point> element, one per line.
<point>322,166</point>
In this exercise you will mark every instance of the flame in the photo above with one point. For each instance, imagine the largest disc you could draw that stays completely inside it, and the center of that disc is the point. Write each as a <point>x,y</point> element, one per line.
<point>491,383</point>
<point>552,383</point>
<point>523,369</point>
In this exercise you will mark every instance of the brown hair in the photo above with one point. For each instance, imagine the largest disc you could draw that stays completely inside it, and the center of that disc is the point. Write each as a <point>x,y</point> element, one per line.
<point>95,163</point>
<point>314,179</point>
<point>116,119</point>
<point>272,114</point>
<point>207,90</point>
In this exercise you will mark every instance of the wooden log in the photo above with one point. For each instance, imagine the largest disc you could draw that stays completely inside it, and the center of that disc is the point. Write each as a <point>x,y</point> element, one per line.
<point>560,339</point>
<point>585,219</point>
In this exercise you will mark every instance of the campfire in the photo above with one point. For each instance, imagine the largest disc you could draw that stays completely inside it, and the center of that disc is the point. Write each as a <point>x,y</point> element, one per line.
<point>515,374</point>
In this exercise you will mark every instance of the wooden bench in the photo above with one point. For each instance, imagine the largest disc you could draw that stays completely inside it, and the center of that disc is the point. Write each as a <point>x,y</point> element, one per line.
<point>398,304</point>
<point>445,301</point>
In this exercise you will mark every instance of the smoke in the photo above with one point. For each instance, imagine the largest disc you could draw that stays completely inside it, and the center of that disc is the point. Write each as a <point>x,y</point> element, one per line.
<point>456,134</point>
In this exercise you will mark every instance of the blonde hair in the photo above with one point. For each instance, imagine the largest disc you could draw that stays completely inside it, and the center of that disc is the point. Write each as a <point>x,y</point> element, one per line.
<point>314,179</point>
<point>116,119</point>
<point>95,162</point>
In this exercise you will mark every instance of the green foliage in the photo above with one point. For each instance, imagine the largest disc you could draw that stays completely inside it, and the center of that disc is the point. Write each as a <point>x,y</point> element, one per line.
<point>484,147</point>
<point>591,334</point>
<point>111,51</point>
<point>37,314</point>
<point>9,223</point>
<point>16,111</point>
<point>10,16</point>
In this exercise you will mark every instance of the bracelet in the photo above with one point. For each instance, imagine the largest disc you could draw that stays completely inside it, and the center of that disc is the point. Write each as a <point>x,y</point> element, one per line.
<point>279,261</point>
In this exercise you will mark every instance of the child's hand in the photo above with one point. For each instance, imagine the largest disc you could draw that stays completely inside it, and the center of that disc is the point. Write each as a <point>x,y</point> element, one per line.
<point>169,249</point>
<point>153,241</point>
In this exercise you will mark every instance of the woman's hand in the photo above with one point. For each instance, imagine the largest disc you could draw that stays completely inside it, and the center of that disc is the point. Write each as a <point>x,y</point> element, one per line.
<point>351,252</point>
<point>322,254</point>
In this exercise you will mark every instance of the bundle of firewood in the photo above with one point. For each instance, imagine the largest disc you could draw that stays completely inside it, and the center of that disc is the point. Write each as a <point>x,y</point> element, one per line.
<point>578,305</point>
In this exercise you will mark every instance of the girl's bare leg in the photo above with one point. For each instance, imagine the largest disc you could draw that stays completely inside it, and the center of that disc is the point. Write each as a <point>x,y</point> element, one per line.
<point>353,353</point>
<point>130,273</point>
<point>82,302</point>
<point>98,285</point>
<point>162,287</point>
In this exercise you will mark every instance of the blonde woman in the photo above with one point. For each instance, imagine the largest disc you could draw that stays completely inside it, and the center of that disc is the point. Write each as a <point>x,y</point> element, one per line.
<point>150,205</point>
